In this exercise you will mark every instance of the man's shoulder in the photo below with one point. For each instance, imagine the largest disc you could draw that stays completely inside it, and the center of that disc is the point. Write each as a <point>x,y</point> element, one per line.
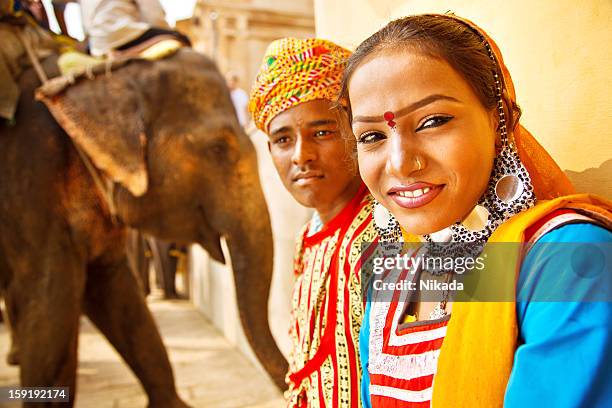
<point>361,228</point>
<point>363,212</point>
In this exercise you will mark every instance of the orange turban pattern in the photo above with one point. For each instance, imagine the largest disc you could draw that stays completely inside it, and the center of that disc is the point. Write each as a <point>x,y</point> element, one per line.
<point>295,71</point>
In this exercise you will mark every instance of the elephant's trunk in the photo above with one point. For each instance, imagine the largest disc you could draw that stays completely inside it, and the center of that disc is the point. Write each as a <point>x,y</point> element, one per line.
<point>249,238</point>
<point>251,253</point>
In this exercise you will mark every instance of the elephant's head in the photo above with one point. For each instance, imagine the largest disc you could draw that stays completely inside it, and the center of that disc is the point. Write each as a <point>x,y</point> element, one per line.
<point>166,133</point>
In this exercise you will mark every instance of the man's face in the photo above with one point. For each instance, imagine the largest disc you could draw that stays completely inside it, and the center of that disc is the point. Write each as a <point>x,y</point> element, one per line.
<point>314,160</point>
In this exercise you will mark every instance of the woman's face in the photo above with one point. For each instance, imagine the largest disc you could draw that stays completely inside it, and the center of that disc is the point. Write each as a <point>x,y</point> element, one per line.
<point>431,168</point>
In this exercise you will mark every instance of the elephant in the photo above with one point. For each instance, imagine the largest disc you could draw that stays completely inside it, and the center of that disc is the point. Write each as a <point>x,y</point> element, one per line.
<point>165,135</point>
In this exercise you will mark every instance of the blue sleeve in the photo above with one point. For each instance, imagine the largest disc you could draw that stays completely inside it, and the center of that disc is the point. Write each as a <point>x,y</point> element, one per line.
<point>364,355</point>
<point>565,354</point>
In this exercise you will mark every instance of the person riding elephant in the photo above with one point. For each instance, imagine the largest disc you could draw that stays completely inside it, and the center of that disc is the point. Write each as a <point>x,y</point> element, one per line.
<point>151,145</point>
<point>118,25</point>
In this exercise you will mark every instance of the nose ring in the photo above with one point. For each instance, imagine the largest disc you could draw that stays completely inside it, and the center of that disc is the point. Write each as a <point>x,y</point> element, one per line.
<point>419,165</point>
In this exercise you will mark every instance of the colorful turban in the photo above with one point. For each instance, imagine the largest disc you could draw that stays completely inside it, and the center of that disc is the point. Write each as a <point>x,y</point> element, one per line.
<point>295,71</point>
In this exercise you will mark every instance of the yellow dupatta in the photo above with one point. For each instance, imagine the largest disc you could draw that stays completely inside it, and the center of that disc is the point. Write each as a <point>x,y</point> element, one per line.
<point>478,351</point>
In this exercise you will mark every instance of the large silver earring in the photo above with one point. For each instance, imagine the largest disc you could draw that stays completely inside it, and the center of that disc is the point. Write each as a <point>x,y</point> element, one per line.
<point>386,225</point>
<point>509,191</point>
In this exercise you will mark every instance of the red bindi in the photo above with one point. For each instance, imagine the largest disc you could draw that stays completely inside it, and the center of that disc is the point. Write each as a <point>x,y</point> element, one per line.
<point>389,116</point>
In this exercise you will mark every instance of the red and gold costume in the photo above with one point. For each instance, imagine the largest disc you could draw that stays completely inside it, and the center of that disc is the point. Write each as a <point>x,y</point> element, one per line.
<point>327,309</point>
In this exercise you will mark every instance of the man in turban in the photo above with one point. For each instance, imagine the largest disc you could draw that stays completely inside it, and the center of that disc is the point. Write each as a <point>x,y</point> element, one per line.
<point>311,145</point>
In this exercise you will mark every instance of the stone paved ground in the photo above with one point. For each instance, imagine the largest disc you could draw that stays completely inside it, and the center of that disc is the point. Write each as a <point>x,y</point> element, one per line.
<point>208,370</point>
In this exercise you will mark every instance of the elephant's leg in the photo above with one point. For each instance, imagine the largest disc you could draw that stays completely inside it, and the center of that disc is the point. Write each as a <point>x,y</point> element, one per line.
<point>143,265</point>
<point>47,292</point>
<point>169,272</point>
<point>115,304</point>
<point>10,308</point>
<point>12,357</point>
<point>165,266</point>
<point>136,251</point>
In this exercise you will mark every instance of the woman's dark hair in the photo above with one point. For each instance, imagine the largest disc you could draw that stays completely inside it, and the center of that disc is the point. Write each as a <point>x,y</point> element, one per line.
<point>442,37</point>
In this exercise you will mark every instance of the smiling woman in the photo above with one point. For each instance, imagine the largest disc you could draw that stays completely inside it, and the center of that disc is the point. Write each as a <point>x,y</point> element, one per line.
<point>440,148</point>
<point>441,126</point>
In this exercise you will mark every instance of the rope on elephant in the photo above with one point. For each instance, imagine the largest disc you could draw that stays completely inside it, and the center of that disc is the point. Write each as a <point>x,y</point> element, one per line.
<point>51,89</point>
<point>57,85</point>
<point>19,39</point>
<point>90,68</point>
<point>105,188</point>
<point>40,72</point>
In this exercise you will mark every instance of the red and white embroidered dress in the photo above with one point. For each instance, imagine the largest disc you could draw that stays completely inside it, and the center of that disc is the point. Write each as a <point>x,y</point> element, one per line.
<point>402,356</point>
<point>327,309</point>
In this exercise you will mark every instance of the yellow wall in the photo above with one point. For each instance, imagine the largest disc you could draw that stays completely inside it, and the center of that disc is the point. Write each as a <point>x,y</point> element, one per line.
<point>556,50</point>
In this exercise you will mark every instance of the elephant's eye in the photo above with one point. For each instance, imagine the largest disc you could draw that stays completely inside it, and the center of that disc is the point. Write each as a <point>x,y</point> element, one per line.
<point>222,147</point>
<point>218,148</point>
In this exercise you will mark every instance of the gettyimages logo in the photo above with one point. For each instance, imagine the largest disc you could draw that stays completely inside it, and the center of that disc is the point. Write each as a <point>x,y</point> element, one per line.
<point>495,272</point>
<point>422,261</point>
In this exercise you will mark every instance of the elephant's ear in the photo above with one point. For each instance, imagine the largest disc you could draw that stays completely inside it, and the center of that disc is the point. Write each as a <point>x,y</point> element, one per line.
<point>104,116</point>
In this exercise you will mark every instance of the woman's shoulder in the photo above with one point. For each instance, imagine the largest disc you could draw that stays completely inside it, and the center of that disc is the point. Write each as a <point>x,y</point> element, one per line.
<point>578,232</point>
<point>564,314</point>
<point>570,263</point>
